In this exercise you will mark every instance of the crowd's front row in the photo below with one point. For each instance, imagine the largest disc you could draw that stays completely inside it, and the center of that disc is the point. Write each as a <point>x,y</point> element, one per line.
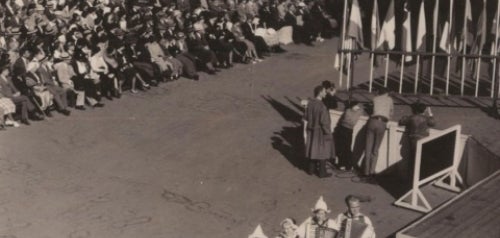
<point>351,223</point>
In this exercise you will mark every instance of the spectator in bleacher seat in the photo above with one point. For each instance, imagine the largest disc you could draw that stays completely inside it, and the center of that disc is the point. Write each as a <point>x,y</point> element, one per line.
<point>36,87</point>
<point>417,127</point>
<point>21,101</point>
<point>360,225</point>
<point>66,76</point>
<point>46,74</point>
<point>383,108</point>
<point>84,80</point>
<point>7,108</point>
<point>319,220</point>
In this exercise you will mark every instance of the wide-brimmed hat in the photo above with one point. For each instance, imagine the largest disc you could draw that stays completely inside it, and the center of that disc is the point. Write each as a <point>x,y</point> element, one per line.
<point>64,56</point>
<point>13,31</point>
<point>49,29</point>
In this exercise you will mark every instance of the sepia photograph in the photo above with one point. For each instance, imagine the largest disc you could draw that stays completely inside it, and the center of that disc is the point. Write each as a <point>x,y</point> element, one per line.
<point>249,118</point>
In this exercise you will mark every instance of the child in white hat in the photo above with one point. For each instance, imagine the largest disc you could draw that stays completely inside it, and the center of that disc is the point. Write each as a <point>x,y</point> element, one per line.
<point>258,233</point>
<point>319,219</point>
<point>288,229</point>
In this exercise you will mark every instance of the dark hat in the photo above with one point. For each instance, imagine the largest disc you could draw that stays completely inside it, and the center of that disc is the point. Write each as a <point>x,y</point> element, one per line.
<point>118,32</point>
<point>49,29</point>
<point>31,6</point>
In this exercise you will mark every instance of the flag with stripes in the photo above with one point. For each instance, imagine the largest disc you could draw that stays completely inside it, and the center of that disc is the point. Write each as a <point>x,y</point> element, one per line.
<point>387,38</point>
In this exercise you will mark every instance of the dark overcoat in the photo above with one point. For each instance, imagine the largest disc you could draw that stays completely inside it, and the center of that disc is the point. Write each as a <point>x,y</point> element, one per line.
<point>319,141</point>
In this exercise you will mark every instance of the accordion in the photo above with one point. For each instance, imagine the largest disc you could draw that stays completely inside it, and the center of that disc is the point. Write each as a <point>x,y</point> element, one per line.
<point>315,231</point>
<point>352,229</point>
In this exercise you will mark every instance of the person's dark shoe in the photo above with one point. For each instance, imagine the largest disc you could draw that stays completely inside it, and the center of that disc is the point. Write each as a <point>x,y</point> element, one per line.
<point>81,108</point>
<point>66,112</point>
<point>99,104</point>
<point>25,122</point>
<point>146,86</point>
<point>325,175</point>
<point>109,97</point>
<point>154,83</point>
<point>278,49</point>
<point>368,180</point>
<point>211,72</point>
<point>196,77</point>
<point>311,169</point>
<point>37,116</point>
<point>322,170</point>
<point>48,113</point>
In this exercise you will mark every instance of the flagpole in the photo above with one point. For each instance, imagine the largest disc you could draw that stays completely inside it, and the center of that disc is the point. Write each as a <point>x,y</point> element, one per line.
<point>495,78</point>
<point>401,74</point>
<point>386,69</point>
<point>372,55</point>
<point>416,73</point>
<point>495,50</point>
<point>464,51</point>
<point>433,60</point>
<point>342,35</point>
<point>349,60</point>
<point>478,73</point>
<point>448,66</point>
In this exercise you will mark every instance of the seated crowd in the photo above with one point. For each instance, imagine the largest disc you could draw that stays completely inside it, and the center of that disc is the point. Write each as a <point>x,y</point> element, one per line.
<point>62,54</point>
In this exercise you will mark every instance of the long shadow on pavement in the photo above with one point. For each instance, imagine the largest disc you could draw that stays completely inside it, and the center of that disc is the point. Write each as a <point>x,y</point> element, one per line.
<point>288,141</point>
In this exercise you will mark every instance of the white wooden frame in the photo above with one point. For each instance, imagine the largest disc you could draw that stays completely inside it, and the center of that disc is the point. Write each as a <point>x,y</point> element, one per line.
<point>417,200</point>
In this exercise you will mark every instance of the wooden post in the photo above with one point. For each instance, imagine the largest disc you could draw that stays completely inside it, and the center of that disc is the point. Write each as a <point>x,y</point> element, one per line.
<point>495,78</point>
<point>416,74</point>
<point>402,73</point>
<point>448,66</point>
<point>434,33</point>
<point>342,39</point>
<point>372,56</point>
<point>386,69</point>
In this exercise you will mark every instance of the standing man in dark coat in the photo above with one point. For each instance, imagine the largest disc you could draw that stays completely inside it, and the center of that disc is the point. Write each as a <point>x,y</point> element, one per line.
<point>318,135</point>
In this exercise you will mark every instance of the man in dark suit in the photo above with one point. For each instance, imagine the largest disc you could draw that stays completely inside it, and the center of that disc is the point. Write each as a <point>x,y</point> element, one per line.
<point>44,72</point>
<point>19,70</point>
<point>8,89</point>
<point>248,30</point>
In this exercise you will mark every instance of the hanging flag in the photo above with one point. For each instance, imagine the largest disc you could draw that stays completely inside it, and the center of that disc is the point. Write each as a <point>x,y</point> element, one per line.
<point>444,40</point>
<point>387,39</point>
<point>480,37</point>
<point>421,30</point>
<point>406,34</point>
<point>493,33</point>
<point>375,26</point>
<point>355,29</point>
<point>467,35</point>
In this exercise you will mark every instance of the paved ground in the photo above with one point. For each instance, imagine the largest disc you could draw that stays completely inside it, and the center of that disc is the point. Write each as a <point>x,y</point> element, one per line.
<point>212,158</point>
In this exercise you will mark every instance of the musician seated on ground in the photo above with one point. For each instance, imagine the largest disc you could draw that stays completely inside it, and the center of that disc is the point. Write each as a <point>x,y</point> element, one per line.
<point>353,221</point>
<point>318,220</point>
